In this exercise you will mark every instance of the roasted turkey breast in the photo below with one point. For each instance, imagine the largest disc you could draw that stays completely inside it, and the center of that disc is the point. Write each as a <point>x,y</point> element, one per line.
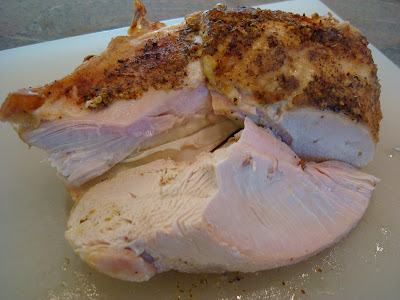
<point>311,80</point>
<point>137,135</point>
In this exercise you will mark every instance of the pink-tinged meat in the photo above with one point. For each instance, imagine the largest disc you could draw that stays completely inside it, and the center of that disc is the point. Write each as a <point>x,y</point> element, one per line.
<point>251,206</point>
<point>300,211</point>
<point>86,146</point>
<point>315,135</point>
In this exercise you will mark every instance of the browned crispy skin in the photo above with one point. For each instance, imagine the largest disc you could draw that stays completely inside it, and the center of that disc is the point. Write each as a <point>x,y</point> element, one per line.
<point>20,103</point>
<point>271,55</point>
<point>257,51</point>
<point>130,66</point>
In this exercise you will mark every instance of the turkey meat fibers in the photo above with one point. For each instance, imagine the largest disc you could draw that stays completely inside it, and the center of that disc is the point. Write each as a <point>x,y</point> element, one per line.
<point>247,207</point>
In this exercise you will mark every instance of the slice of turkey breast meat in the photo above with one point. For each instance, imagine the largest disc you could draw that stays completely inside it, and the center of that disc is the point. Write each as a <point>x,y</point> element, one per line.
<point>108,110</point>
<point>251,206</point>
<point>312,81</point>
<point>84,147</point>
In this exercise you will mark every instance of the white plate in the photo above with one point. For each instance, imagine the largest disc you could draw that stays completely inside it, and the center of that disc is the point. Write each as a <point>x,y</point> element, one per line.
<point>36,261</point>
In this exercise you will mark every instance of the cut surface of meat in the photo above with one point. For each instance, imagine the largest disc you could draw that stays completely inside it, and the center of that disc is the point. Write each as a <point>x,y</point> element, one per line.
<point>313,134</point>
<point>248,207</point>
<point>84,147</point>
<point>181,149</point>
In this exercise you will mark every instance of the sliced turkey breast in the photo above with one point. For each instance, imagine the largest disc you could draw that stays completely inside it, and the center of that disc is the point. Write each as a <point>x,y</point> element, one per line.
<point>285,71</point>
<point>311,80</point>
<point>141,93</point>
<point>85,146</point>
<point>251,206</point>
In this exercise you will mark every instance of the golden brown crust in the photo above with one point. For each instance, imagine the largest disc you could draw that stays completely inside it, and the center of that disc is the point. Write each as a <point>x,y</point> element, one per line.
<point>130,66</point>
<point>314,62</point>
<point>20,104</point>
<point>271,55</point>
<point>126,72</point>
